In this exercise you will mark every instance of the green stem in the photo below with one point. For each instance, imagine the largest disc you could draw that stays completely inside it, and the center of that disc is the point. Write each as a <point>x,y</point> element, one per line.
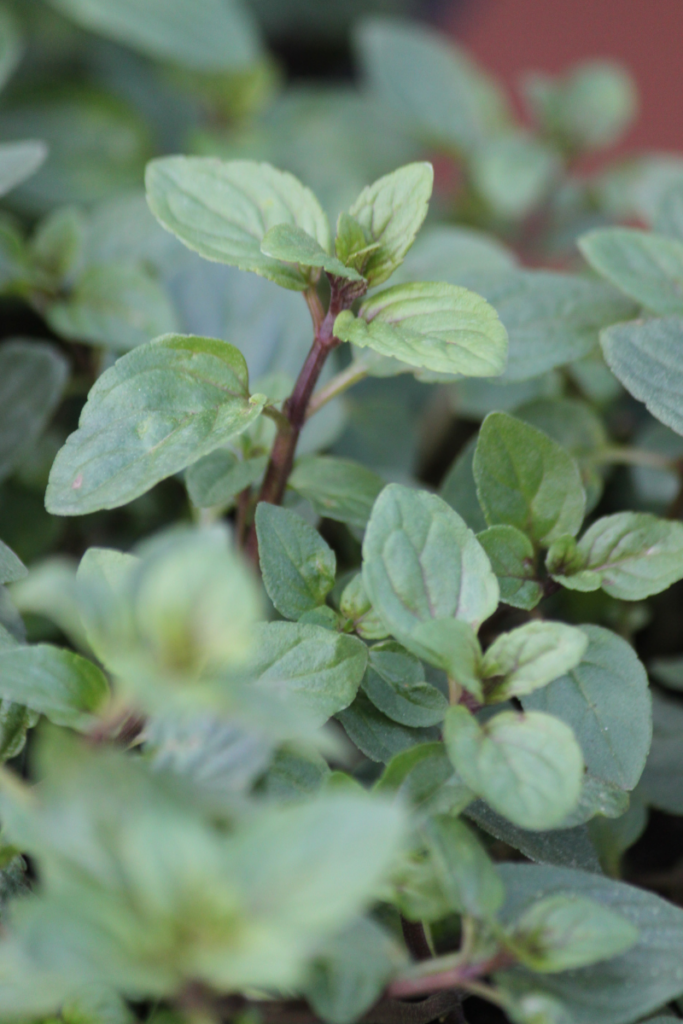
<point>625,456</point>
<point>353,374</point>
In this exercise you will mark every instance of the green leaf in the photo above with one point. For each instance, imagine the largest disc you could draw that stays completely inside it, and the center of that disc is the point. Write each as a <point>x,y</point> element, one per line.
<point>513,172</point>
<point>445,252</point>
<point>424,776</point>
<point>551,318</point>
<point>662,780</point>
<point>452,646</point>
<point>527,767</point>
<point>49,590</point>
<point>529,658</point>
<point>349,974</point>
<point>203,35</point>
<point>377,736</point>
<point>561,933</point>
<point>668,218</point>
<point>57,683</point>
<point>513,560</point>
<point>337,488</point>
<point>668,671</point>
<point>631,555</point>
<point>606,701</point>
<point>317,669</point>
<point>15,721</point>
<point>158,409</point>
<point>620,990</point>
<point>437,327</point>
<point>645,266</point>
<point>11,45</point>
<point>32,378</point>
<point>11,567</point>
<point>421,563</point>
<point>430,83</point>
<point>297,565</point>
<point>463,868</point>
<point>645,356</point>
<point>115,305</point>
<point>58,244</point>
<point>222,210</point>
<point>219,477</point>
<point>526,480</point>
<point>566,847</point>
<point>392,211</point>
<point>18,161</point>
<point>395,683</point>
<point>459,490</point>
<point>357,607</point>
<point>292,244</point>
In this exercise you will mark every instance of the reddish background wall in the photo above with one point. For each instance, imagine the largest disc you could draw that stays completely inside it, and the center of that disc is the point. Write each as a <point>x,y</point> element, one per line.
<point>512,36</point>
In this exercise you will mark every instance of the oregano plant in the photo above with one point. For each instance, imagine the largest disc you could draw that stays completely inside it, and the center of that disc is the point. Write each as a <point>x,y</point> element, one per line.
<point>325,668</point>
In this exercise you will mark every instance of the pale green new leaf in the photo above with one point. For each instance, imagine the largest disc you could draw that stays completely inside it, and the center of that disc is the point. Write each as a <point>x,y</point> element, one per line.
<point>513,172</point>
<point>526,480</point>
<point>33,375</point>
<point>115,305</point>
<point>297,565</point>
<point>57,683</point>
<point>159,408</point>
<point>223,210</point>
<point>645,266</point>
<point>646,356</point>
<point>529,768</point>
<point>631,555</point>
<point>438,327</point>
<point>606,701</point>
<point>529,658</point>
<point>11,567</point>
<point>395,683</point>
<point>357,607</point>
<point>561,933</point>
<point>19,160</point>
<point>392,211</point>
<point>203,35</point>
<point>320,671</point>
<point>422,563</point>
<point>292,244</point>
<point>513,560</point>
<point>337,488</point>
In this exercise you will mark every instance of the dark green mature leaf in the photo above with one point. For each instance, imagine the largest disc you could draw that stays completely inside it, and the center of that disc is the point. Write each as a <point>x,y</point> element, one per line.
<point>377,736</point>
<point>563,932</point>
<point>32,379</point>
<point>551,318</point>
<point>11,567</point>
<point>662,780</point>
<point>513,560</point>
<point>318,669</point>
<point>204,35</point>
<point>619,990</point>
<point>391,212</point>
<point>428,81</point>
<point>159,408</point>
<point>606,701</point>
<point>337,488</point>
<point>421,563</point>
<point>527,767</point>
<point>459,490</point>
<point>65,687</point>
<point>297,565</point>
<point>11,45</point>
<point>115,305</point>
<point>463,868</point>
<point>566,847</point>
<point>222,210</point>
<point>395,683</point>
<point>645,266</point>
<point>19,160</point>
<point>218,478</point>
<point>530,657</point>
<point>424,776</point>
<point>631,555</point>
<point>292,244</point>
<point>526,480</point>
<point>647,358</point>
<point>437,327</point>
<point>348,975</point>
<point>15,721</point>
